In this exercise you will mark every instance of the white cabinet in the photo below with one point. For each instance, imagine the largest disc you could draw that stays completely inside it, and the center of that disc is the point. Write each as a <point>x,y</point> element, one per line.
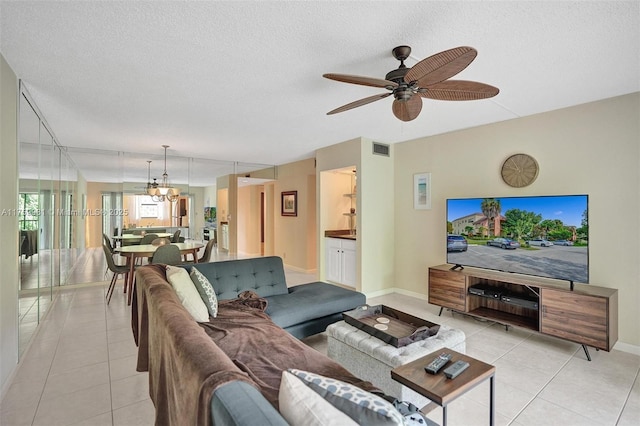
<point>340,257</point>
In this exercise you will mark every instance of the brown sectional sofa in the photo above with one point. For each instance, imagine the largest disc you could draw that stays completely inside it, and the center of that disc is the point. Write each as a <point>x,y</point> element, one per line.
<point>225,371</point>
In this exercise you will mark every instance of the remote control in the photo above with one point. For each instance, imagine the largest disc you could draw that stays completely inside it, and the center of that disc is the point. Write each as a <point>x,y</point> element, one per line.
<point>455,369</point>
<point>435,365</point>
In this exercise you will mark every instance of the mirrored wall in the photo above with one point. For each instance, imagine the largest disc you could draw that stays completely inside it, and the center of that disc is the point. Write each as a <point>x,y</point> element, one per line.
<point>70,198</point>
<point>48,234</point>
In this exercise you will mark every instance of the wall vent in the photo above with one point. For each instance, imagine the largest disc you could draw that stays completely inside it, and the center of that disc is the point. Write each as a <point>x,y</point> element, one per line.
<point>381,149</point>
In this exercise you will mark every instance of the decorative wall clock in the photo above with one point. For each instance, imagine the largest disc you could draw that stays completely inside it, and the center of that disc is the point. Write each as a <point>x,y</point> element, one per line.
<point>519,170</point>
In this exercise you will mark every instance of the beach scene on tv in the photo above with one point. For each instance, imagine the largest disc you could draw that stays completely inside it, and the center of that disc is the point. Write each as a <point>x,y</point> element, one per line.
<point>544,236</point>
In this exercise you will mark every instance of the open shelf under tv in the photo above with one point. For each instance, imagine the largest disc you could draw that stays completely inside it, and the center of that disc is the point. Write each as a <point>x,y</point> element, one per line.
<point>585,313</point>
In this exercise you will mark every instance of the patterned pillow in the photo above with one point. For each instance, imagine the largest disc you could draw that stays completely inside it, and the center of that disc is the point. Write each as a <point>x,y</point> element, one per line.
<point>206,291</point>
<point>301,406</point>
<point>187,293</point>
<point>361,406</point>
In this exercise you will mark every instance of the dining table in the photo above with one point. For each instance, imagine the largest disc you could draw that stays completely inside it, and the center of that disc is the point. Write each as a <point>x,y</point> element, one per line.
<point>136,238</point>
<point>147,250</point>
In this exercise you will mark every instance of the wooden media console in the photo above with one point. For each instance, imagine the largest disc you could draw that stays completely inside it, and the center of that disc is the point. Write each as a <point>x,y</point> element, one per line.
<point>582,313</point>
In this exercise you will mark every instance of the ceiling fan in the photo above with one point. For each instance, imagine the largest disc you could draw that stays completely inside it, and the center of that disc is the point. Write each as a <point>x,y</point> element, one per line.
<point>426,79</point>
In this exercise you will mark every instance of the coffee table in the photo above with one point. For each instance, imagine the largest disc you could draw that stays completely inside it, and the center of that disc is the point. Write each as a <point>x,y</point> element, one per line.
<point>441,390</point>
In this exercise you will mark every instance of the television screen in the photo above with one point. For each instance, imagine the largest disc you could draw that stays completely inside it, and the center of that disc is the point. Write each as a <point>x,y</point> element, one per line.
<point>545,236</point>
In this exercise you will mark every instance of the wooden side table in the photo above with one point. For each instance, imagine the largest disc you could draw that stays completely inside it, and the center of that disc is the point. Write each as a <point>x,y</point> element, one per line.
<point>441,390</point>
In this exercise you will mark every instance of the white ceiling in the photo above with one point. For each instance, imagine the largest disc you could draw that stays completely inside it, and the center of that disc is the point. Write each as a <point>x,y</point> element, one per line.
<point>242,80</point>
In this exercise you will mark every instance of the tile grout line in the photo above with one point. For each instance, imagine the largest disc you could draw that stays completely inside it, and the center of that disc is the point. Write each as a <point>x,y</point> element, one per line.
<point>66,317</point>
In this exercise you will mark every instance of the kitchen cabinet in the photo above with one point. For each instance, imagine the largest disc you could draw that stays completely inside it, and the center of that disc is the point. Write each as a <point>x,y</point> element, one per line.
<point>340,257</point>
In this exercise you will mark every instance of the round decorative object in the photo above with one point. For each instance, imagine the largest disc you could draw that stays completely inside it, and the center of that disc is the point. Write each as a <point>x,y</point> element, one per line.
<point>381,327</point>
<point>383,320</point>
<point>519,170</point>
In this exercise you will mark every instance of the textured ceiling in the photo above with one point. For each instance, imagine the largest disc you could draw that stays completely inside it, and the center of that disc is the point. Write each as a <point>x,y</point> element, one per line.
<point>242,80</point>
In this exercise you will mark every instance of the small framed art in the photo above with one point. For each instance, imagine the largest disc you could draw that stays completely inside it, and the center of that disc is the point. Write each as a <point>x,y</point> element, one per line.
<point>422,191</point>
<point>289,203</point>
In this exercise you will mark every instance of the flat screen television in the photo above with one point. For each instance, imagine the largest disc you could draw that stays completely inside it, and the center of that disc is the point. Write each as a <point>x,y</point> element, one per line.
<point>545,236</point>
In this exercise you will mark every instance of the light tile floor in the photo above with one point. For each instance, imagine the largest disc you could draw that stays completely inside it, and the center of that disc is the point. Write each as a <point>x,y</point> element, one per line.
<point>80,370</point>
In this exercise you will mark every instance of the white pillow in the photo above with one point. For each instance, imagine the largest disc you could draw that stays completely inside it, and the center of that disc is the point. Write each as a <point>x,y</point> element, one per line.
<point>299,405</point>
<point>187,293</point>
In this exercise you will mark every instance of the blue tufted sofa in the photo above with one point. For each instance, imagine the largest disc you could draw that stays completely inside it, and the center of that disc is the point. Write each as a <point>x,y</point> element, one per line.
<point>302,310</point>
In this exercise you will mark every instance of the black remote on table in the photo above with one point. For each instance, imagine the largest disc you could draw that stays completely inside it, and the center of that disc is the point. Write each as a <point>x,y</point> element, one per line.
<point>455,369</point>
<point>434,366</point>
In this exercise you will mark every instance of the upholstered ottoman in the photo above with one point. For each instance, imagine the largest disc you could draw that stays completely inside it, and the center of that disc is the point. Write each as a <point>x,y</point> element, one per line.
<point>371,359</point>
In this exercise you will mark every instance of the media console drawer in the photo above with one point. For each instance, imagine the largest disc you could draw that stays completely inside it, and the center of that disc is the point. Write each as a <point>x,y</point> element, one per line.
<point>448,290</point>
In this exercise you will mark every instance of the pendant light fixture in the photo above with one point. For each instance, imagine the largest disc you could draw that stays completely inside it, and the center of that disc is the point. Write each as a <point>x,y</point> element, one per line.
<point>162,191</point>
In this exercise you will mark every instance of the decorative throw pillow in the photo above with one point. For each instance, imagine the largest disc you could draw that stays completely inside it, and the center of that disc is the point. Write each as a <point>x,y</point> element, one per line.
<point>207,293</point>
<point>361,406</point>
<point>301,406</point>
<point>187,293</point>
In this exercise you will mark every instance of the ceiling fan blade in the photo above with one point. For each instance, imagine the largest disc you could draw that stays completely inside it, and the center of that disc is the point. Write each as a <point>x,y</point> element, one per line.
<point>359,102</point>
<point>407,110</point>
<point>364,81</point>
<point>441,66</point>
<point>459,90</point>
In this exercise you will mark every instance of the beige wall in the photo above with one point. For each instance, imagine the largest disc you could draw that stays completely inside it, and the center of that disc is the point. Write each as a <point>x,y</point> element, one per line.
<point>249,220</point>
<point>295,236</point>
<point>589,149</point>
<point>93,223</point>
<point>8,224</point>
<point>374,208</point>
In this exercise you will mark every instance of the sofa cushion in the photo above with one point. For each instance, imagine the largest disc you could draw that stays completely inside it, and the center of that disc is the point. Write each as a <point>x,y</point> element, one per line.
<point>187,293</point>
<point>207,293</point>
<point>361,406</point>
<point>263,275</point>
<point>302,406</point>
<point>311,301</point>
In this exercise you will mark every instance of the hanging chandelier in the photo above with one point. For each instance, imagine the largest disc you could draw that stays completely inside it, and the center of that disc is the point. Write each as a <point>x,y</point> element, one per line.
<point>162,191</point>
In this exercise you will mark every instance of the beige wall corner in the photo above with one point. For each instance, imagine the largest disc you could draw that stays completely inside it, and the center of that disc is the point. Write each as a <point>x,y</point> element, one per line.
<point>589,149</point>
<point>8,224</point>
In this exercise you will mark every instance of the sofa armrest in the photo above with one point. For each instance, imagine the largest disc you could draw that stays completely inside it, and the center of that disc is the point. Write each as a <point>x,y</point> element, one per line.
<point>238,403</point>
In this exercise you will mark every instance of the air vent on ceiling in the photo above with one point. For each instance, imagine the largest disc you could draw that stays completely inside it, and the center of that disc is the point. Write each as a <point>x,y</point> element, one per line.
<point>381,149</point>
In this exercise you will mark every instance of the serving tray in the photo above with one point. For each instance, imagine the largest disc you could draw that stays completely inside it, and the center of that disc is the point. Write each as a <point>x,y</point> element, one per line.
<point>401,329</point>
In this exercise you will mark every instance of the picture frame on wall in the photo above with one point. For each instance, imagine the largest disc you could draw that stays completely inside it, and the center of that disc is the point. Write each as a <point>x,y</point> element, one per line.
<point>289,206</point>
<point>422,191</point>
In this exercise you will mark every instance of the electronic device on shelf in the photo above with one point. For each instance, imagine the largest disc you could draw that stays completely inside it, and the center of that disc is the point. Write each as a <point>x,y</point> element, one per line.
<point>486,291</point>
<point>519,301</point>
<point>540,220</point>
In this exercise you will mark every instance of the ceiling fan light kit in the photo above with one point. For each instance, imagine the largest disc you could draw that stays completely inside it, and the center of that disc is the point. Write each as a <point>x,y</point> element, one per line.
<point>161,191</point>
<point>426,79</point>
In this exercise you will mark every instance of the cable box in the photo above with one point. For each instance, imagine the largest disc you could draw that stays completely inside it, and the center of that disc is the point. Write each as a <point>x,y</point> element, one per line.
<point>520,301</point>
<point>485,291</point>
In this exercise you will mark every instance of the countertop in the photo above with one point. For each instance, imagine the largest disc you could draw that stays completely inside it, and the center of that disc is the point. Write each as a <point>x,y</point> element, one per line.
<point>345,234</point>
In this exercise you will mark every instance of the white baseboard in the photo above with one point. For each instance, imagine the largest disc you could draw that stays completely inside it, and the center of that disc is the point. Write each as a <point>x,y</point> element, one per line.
<point>627,347</point>
<point>380,293</point>
<point>302,271</point>
<point>397,290</point>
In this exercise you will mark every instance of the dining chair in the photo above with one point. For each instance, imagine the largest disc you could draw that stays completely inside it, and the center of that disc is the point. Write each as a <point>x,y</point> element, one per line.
<point>161,241</point>
<point>176,237</point>
<point>206,256</point>
<point>107,242</point>
<point>148,238</point>
<point>116,269</point>
<point>167,254</point>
